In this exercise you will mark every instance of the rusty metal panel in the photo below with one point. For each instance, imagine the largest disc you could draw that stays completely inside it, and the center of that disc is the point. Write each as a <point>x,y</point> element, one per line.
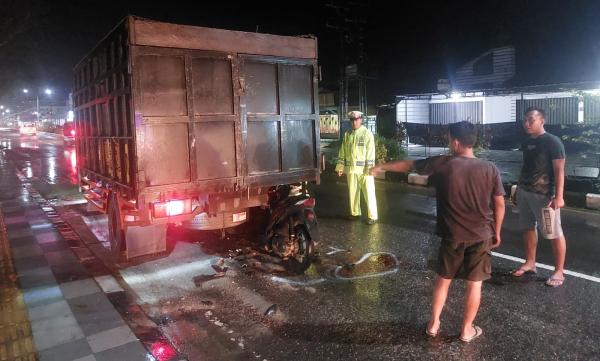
<point>296,89</point>
<point>299,144</point>
<point>213,86</point>
<point>263,147</point>
<point>215,144</point>
<point>163,85</point>
<point>107,157</point>
<point>261,88</point>
<point>166,154</point>
<point>100,164</point>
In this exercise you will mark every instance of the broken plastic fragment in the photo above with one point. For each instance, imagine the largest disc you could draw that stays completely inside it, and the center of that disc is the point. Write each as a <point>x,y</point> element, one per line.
<point>271,310</point>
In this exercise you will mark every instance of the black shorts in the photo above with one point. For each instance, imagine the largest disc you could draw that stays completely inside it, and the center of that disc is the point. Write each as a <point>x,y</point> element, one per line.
<point>467,260</point>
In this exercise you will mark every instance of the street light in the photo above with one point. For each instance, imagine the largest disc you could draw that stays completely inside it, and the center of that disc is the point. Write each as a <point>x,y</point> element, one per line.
<point>48,92</point>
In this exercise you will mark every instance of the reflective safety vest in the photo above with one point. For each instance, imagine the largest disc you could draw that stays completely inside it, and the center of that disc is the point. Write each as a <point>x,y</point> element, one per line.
<point>357,152</point>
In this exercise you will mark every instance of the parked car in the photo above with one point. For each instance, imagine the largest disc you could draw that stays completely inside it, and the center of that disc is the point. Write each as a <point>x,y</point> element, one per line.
<point>28,129</point>
<point>69,132</point>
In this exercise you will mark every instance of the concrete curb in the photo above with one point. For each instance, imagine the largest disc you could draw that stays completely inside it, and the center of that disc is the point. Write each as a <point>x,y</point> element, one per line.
<point>417,179</point>
<point>592,201</point>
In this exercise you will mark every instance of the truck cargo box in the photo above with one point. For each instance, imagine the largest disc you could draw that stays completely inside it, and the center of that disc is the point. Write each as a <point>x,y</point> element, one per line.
<point>163,110</point>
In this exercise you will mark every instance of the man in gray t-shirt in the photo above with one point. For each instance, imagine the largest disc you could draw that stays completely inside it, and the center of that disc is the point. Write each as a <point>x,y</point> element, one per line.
<point>540,194</point>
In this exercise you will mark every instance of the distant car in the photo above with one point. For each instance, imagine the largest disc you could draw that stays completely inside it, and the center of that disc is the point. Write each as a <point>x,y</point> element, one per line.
<point>28,129</point>
<point>69,132</point>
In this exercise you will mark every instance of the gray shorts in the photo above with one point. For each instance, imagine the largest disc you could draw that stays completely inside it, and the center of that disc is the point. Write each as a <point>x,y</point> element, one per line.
<point>530,207</point>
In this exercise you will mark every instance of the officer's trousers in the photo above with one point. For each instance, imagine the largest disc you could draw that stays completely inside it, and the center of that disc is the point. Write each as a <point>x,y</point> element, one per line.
<point>365,184</point>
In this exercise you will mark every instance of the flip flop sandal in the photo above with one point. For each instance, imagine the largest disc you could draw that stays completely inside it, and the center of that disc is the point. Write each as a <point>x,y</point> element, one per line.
<point>554,282</point>
<point>478,332</point>
<point>430,333</point>
<point>524,271</point>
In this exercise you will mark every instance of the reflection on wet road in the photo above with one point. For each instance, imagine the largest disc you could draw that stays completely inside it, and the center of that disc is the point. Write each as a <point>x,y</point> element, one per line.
<point>46,160</point>
<point>365,297</point>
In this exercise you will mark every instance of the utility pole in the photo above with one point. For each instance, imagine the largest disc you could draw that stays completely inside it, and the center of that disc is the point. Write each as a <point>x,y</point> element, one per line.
<point>339,26</point>
<point>350,28</point>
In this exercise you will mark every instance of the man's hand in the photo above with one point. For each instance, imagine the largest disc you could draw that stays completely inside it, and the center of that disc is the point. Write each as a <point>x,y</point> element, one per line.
<point>497,241</point>
<point>375,170</point>
<point>557,203</point>
<point>340,173</point>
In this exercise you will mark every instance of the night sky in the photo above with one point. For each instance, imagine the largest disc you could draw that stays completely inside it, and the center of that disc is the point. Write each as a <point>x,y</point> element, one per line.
<point>407,46</point>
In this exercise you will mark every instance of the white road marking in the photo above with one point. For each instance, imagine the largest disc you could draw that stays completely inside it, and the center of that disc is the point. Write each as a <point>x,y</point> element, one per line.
<point>297,283</point>
<point>545,266</point>
<point>335,250</point>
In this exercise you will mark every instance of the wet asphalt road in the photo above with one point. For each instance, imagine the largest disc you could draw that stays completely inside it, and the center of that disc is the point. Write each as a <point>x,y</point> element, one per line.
<point>377,310</point>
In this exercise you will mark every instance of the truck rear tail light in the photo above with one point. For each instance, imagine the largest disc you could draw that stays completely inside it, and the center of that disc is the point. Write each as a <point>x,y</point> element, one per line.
<point>73,132</point>
<point>172,208</point>
<point>307,203</point>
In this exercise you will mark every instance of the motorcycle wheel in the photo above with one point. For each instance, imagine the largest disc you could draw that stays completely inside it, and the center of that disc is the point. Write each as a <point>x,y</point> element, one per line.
<point>301,261</point>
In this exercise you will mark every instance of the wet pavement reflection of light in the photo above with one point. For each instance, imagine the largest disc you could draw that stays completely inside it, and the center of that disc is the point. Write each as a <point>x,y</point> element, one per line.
<point>28,170</point>
<point>51,170</point>
<point>54,169</point>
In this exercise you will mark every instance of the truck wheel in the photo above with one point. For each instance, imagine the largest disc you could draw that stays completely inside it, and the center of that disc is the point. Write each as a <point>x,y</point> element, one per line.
<point>302,259</point>
<point>116,236</point>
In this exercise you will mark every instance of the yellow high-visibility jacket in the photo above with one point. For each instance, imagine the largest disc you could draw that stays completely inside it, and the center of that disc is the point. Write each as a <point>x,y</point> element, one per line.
<point>357,152</point>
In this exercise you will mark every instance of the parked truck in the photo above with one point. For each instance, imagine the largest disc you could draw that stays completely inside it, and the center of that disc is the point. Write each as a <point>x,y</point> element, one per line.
<point>200,127</point>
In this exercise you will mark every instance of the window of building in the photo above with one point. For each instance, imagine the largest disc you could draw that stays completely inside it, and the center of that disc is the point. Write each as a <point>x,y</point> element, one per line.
<point>484,65</point>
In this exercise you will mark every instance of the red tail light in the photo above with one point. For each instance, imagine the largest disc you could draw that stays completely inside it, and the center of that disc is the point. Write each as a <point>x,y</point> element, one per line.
<point>310,215</point>
<point>172,208</point>
<point>162,351</point>
<point>310,203</point>
<point>73,132</point>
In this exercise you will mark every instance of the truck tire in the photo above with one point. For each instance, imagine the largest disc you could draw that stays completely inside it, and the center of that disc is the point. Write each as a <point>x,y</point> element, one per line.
<point>116,235</point>
<point>301,261</point>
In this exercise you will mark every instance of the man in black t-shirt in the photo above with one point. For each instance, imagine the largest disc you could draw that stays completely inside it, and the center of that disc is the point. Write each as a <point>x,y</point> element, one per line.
<point>541,185</point>
<point>470,212</point>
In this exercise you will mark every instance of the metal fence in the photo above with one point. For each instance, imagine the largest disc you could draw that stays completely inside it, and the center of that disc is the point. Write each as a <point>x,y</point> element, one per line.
<point>447,113</point>
<point>558,110</point>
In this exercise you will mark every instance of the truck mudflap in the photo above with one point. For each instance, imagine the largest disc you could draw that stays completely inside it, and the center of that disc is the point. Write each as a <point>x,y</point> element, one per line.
<point>311,225</point>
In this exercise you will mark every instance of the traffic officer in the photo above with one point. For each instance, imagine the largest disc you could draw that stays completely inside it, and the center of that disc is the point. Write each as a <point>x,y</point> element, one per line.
<point>356,156</point>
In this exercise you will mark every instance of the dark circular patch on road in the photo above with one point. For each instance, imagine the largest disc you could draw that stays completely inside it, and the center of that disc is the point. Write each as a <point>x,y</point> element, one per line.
<point>372,264</point>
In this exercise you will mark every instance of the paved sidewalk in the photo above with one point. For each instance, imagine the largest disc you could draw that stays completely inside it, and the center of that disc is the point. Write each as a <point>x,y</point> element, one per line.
<point>64,291</point>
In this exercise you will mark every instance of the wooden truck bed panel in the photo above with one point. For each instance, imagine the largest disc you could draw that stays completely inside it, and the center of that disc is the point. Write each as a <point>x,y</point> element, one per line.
<point>158,34</point>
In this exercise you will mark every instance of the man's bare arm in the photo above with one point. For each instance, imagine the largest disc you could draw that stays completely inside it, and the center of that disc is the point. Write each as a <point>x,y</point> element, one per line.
<point>395,166</point>
<point>559,179</point>
<point>499,211</point>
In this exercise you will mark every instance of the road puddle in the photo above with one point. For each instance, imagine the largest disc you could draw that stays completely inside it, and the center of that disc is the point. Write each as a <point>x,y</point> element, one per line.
<point>372,264</point>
